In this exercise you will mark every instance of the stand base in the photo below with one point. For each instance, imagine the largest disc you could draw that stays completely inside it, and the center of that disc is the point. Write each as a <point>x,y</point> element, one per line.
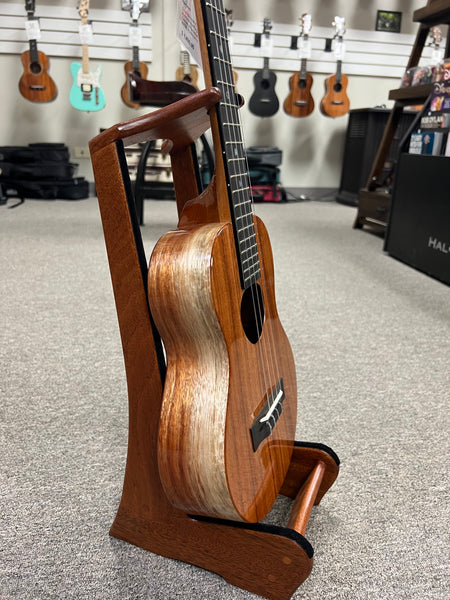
<point>268,560</point>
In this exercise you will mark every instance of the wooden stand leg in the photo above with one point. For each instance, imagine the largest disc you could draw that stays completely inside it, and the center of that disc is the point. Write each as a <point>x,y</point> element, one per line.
<point>269,560</point>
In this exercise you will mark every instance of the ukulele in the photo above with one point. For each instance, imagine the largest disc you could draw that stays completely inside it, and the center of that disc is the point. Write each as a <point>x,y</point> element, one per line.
<point>299,102</point>
<point>264,101</point>
<point>134,66</point>
<point>335,102</point>
<point>86,93</point>
<point>228,412</point>
<point>186,72</point>
<point>35,83</point>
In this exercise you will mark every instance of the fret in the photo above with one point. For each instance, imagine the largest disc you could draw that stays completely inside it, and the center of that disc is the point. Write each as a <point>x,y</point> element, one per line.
<point>219,35</point>
<point>231,85</point>
<point>222,60</point>
<point>212,7</point>
<point>240,190</point>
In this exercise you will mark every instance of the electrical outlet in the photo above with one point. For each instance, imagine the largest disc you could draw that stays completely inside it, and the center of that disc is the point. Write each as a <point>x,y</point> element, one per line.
<point>81,152</point>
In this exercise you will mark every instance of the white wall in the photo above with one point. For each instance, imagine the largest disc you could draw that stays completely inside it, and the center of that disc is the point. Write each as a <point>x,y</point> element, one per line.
<point>312,147</point>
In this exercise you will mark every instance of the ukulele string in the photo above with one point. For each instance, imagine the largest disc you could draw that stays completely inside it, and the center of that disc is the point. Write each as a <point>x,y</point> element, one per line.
<point>232,114</point>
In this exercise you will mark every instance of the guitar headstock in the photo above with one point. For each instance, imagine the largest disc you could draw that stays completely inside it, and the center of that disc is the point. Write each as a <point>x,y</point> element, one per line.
<point>229,13</point>
<point>29,7</point>
<point>267,26</point>
<point>83,9</point>
<point>339,25</point>
<point>436,36</point>
<point>305,24</point>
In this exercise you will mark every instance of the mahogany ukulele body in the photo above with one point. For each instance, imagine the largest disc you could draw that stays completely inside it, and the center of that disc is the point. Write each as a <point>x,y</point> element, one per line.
<point>35,83</point>
<point>218,379</point>
<point>299,102</point>
<point>335,102</point>
<point>125,90</point>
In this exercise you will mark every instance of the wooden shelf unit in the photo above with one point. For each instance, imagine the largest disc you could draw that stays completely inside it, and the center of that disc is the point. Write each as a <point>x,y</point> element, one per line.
<point>372,208</point>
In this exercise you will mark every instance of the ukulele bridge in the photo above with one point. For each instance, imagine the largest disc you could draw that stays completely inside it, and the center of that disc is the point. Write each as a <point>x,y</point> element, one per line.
<point>268,416</point>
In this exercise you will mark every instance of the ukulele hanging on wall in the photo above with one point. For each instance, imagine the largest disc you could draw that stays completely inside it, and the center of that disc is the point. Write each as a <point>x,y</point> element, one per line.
<point>335,102</point>
<point>135,65</point>
<point>35,83</point>
<point>86,93</point>
<point>264,101</point>
<point>299,102</point>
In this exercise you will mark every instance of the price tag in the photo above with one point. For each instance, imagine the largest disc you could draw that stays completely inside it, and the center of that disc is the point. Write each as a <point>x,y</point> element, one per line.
<point>304,48</point>
<point>135,35</point>
<point>187,32</point>
<point>32,29</point>
<point>266,46</point>
<point>339,50</point>
<point>86,33</point>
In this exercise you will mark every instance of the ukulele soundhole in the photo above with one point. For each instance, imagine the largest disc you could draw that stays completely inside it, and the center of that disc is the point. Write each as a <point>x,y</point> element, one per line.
<point>337,87</point>
<point>252,313</point>
<point>35,68</point>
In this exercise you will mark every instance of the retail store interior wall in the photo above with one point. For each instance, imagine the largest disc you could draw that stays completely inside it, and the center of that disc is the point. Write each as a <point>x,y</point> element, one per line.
<point>312,146</point>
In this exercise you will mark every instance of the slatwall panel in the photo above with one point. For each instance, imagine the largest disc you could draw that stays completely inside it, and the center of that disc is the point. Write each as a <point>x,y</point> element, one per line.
<point>60,37</point>
<point>372,53</point>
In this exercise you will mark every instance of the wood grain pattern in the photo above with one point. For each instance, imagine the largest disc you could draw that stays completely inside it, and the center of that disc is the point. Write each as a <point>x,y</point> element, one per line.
<point>335,102</point>
<point>35,83</point>
<point>299,102</point>
<point>217,380</point>
<point>125,89</point>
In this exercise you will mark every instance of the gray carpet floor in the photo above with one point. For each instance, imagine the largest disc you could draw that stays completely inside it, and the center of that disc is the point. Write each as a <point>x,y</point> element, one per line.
<point>371,339</point>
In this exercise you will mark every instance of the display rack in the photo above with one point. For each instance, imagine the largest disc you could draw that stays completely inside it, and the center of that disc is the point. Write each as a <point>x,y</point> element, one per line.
<point>269,560</point>
<point>374,200</point>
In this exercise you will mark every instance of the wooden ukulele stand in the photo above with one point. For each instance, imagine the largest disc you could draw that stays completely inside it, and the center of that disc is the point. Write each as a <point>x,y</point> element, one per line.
<point>267,560</point>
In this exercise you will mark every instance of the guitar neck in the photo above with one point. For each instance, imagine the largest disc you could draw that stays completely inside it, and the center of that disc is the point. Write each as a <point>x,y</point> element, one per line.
<point>266,68</point>
<point>34,57</point>
<point>135,58</point>
<point>218,73</point>
<point>338,71</point>
<point>303,68</point>
<point>85,58</point>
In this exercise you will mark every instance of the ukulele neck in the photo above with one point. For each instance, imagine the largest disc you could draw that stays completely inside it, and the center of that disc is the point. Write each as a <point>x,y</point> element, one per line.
<point>231,145</point>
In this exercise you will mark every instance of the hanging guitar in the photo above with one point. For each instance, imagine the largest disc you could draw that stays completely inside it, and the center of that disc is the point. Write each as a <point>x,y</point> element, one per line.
<point>35,83</point>
<point>264,101</point>
<point>228,414</point>
<point>86,93</point>
<point>335,102</point>
<point>135,65</point>
<point>299,102</point>
<point>186,72</point>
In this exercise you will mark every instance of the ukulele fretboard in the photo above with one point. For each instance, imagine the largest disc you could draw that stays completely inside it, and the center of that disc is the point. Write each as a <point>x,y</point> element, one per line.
<point>233,152</point>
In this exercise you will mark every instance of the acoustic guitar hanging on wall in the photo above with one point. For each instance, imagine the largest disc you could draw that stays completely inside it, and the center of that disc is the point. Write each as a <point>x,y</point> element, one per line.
<point>35,83</point>
<point>264,101</point>
<point>228,413</point>
<point>134,66</point>
<point>86,93</point>
<point>335,102</point>
<point>299,102</point>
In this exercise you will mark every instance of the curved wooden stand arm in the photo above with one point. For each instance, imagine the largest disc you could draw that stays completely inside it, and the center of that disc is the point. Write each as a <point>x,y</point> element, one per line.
<point>182,123</point>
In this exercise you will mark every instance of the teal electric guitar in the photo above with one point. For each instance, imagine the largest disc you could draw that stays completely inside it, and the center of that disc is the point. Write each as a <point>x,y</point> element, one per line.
<point>86,93</point>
